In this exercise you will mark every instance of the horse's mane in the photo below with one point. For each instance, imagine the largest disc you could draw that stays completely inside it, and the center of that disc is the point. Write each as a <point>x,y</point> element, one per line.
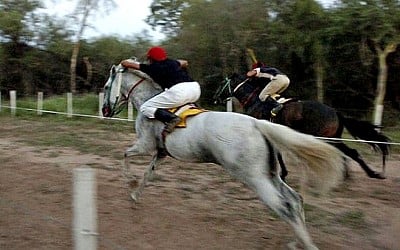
<point>238,77</point>
<point>138,73</point>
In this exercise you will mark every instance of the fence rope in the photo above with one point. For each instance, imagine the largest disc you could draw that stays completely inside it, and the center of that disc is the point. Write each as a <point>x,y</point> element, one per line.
<point>124,119</point>
<point>65,113</point>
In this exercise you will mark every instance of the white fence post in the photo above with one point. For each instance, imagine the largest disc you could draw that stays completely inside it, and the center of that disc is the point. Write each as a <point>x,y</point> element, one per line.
<point>378,116</point>
<point>69,104</point>
<point>229,105</point>
<point>84,209</point>
<point>13,101</point>
<point>0,100</point>
<point>101,99</point>
<point>39,103</point>
<point>130,111</point>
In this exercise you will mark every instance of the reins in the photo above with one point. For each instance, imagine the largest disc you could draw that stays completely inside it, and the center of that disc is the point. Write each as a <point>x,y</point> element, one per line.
<point>134,86</point>
<point>240,85</point>
<point>231,93</point>
<point>255,92</point>
<point>125,98</point>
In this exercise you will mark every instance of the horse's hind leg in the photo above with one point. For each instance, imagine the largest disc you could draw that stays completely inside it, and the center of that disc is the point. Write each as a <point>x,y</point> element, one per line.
<point>353,154</point>
<point>284,171</point>
<point>286,203</point>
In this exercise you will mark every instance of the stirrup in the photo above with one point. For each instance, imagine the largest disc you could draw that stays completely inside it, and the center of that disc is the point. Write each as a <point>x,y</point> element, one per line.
<point>170,126</point>
<point>276,110</point>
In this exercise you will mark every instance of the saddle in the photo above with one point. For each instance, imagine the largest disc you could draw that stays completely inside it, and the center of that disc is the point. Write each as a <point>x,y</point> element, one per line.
<point>262,110</point>
<point>183,112</point>
<point>186,111</point>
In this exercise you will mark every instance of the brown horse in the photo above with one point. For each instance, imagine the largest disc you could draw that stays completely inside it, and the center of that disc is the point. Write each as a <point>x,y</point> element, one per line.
<point>310,117</point>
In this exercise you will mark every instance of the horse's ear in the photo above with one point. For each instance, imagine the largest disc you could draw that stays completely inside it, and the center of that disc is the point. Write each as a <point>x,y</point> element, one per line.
<point>112,70</point>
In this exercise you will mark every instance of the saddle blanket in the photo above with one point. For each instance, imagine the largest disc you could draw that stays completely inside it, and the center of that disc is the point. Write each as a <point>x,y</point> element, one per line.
<point>186,111</point>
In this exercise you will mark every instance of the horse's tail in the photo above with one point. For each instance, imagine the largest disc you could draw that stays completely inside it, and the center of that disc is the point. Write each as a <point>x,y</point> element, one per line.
<point>366,131</point>
<point>325,161</point>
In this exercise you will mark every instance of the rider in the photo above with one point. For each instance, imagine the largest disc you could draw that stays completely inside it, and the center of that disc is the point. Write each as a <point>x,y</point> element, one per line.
<point>275,83</point>
<point>171,75</point>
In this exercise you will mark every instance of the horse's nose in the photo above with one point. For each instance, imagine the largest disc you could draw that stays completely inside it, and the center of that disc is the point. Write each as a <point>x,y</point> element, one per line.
<point>106,110</point>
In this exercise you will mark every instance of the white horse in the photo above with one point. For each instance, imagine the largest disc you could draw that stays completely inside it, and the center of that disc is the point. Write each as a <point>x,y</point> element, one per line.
<point>242,145</point>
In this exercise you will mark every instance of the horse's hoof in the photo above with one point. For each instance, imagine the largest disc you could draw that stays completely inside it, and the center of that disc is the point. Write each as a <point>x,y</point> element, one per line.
<point>377,175</point>
<point>134,197</point>
<point>292,245</point>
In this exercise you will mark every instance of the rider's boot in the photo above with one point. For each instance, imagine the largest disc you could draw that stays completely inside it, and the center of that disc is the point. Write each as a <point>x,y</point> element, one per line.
<point>276,106</point>
<point>169,119</point>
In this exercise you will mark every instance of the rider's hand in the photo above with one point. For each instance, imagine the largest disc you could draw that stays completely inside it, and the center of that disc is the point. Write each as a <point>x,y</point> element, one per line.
<point>129,64</point>
<point>251,73</point>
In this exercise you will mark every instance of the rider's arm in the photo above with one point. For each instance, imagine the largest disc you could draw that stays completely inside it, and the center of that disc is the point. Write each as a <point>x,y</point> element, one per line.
<point>130,64</point>
<point>264,73</point>
<point>183,63</point>
<point>252,73</point>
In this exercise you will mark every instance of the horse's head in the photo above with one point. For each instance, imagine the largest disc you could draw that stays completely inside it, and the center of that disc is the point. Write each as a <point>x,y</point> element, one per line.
<point>111,92</point>
<point>227,87</point>
<point>123,84</point>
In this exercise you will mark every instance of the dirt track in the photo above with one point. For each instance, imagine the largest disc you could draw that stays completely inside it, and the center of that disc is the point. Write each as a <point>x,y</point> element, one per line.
<point>187,206</point>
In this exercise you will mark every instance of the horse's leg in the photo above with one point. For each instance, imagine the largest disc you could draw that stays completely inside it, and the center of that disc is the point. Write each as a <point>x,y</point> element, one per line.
<point>147,175</point>
<point>284,171</point>
<point>136,150</point>
<point>384,165</point>
<point>129,178</point>
<point>288,204</point>
<point>353,154</point>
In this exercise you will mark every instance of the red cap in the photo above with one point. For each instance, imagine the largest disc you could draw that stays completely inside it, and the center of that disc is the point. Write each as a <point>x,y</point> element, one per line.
<point>157,54</point>
<point>257,65</point>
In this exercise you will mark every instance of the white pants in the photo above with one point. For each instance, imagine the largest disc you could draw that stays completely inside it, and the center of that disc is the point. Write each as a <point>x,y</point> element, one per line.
<point>177,95</point>
<point>277,85</point>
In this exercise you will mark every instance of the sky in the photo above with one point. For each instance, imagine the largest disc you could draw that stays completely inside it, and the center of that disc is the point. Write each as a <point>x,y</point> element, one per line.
<point>126,19</point>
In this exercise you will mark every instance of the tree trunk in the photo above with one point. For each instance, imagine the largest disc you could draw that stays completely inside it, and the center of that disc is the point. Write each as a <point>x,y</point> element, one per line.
<point>75,50</point>
<point>89,71</point>
<point>381,84</point>
<point>319,72</point>
<point>74,61</point>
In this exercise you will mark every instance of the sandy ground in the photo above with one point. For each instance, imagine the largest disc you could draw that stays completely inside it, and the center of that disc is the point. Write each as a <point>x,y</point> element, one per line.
<point>186,206</point>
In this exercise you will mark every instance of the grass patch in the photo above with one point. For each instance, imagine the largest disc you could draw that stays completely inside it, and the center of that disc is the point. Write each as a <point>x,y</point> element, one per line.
<point>354,219</point>
<point>315,215</point>
<point>87,104</point>
<point>66,128</point>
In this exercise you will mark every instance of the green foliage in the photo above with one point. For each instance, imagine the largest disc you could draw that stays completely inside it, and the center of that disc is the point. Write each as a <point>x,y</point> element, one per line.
<point>15,18</point>
<point>295,36</point>
<point>167,15</point>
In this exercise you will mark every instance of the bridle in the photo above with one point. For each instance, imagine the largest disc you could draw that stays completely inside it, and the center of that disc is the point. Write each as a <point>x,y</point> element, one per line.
<point>121,100</point>
<point>230,91</point>
<point>222,89</point>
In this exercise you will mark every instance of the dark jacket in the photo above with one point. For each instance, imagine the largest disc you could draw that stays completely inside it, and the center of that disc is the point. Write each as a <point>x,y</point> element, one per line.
<point>166,73</point>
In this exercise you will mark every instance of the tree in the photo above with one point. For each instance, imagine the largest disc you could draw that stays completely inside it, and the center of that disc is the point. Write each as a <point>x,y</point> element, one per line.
<point>84,10</point>
<point>378,24</point>
<point>167,15</point>
<point>17,17</point>
<point>214,36</point>
<point>298,28</point>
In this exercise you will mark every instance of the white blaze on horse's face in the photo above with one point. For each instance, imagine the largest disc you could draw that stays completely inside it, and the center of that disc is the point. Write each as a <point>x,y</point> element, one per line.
<point>112,92</point>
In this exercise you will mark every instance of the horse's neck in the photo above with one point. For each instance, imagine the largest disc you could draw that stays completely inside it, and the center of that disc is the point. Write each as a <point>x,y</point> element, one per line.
<point>245,93</point>
<point>141,88</point>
